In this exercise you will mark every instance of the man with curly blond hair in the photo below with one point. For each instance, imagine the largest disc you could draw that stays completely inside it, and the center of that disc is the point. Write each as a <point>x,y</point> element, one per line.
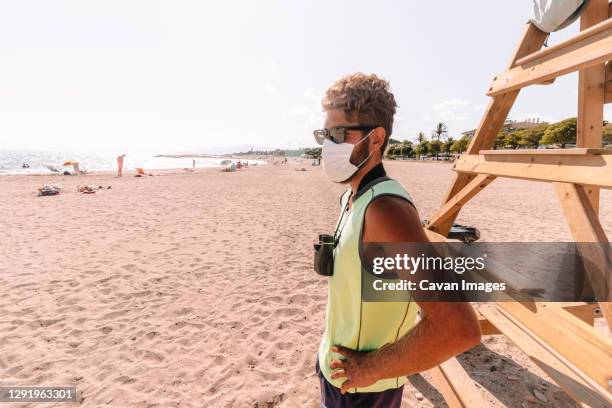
<point>369,348</point>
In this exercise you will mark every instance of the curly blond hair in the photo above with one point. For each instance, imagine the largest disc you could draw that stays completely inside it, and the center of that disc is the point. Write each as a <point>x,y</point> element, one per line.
<point>364,98</point>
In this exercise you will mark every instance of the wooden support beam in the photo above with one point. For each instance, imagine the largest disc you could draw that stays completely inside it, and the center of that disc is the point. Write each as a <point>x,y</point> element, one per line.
<point>499,107</point>
<point>608,92</point>
<point>586,228</point>
<point>449,378</point>
<point>576,151</point>
<point>586,169</point>
<point>587,312</point>
<point>575,382</point>
<point>458,389</point>
<point>440,220</point>
<point>591,90</point>
<point>589,52</point>
<point>497,111</point>
<point>444,387</point>
<point>532,327</point>
<point>486,327</point>
<point>435,237</point>
<point>586,32</point>
<point>582,345</point>
<point>608,96</point>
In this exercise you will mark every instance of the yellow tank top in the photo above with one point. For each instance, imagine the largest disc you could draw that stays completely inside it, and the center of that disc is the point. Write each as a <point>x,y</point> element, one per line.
<point>349,321</point>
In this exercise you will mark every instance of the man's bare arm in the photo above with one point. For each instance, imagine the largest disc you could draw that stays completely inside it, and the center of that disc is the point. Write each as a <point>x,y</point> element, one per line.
<point>445,330</point>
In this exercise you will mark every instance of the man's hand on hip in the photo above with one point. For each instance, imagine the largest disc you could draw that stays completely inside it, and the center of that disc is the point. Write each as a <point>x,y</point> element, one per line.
<point>359,368</point>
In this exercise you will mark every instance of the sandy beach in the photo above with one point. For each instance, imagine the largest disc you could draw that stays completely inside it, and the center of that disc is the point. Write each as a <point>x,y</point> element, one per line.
<point>197,290</point>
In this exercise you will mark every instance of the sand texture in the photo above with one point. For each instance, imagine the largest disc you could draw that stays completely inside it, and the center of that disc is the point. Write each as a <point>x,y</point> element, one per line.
<point>197,289</point>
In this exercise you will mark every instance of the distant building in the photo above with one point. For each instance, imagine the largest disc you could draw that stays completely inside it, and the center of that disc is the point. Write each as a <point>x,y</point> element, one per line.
<point>510,125</point>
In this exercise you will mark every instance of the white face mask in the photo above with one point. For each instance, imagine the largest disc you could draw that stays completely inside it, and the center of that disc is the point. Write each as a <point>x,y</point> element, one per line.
<point>336,158</point>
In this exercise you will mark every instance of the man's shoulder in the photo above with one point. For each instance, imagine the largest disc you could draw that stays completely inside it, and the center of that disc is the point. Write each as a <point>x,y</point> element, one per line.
<point>390,206</point>
<point>391,218</point>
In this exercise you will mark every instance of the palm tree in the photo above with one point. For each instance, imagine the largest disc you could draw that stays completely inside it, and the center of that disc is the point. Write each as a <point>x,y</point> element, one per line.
<point>422,149</point>
<point>435,146</point>
<point>446,146</point>
<point>440,130</point>
<point>421,137</point>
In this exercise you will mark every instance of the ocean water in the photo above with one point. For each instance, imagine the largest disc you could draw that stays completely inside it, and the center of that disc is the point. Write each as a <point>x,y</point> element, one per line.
<point>11,161</point>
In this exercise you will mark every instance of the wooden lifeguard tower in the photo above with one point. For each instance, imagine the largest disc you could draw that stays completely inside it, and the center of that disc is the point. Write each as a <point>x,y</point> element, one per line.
<point>558,337</point>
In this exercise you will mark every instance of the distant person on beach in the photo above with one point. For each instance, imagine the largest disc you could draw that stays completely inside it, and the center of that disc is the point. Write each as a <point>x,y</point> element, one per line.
<point>368,348</point>
<point>120,165</point>
<point>193,162</point>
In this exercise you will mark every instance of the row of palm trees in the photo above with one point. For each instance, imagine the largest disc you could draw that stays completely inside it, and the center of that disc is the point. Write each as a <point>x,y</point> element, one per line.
<point>440,143</point>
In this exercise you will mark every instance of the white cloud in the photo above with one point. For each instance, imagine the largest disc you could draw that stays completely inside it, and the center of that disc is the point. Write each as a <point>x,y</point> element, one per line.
<point>451,110</point>
<point>446,116</point>
<point>458,114</point>
<point>307,116</point>
<point>271,90</point>
<point>270,65</point>
<point>451,105</point>
<point>479,108</point>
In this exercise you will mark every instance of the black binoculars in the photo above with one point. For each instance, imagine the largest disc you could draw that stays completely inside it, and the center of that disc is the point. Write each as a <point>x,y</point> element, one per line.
<point>324,255</point>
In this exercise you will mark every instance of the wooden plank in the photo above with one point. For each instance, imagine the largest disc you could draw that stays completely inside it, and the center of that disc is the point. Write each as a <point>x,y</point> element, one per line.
<point>586,169</point>
<point>584,224</point>
<point>578,385</point>
<point>591,82</point>
<point>498,108</point>
<point>580,344</point>
<point>591,90</point>
<point>608,95</point>
<point>442,384</point>
<point>586,53</point>
<point>435,237</point>
<point>497,111</point>
<point>440,220</point>
<point>583,311</point>
<point>548,152</point>
<point>608,92</point>
<point>456,386</point>
<point>462,384</point>
<point>585,227</point>
<point>486,327</point>
<point>582,35</point>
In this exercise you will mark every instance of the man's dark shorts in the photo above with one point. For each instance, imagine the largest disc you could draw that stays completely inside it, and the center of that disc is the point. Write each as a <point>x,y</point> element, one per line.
<point>332,398</point>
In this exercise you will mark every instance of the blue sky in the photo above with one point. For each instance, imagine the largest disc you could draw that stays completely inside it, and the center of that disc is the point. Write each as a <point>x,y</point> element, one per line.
<point>166,76</point>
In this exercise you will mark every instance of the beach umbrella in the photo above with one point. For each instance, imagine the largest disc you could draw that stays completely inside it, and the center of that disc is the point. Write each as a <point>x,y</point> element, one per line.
<point>70,163</point>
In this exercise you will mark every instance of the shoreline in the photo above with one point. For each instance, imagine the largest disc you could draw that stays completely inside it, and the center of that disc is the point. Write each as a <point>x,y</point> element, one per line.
<point>111,172</point>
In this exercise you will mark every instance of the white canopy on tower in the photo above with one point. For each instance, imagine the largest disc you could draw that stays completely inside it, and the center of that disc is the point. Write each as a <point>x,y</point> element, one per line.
<point>553,15</point>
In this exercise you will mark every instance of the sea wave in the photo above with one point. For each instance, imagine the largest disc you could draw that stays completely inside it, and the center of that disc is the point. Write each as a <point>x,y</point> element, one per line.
<point>42,162</point>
